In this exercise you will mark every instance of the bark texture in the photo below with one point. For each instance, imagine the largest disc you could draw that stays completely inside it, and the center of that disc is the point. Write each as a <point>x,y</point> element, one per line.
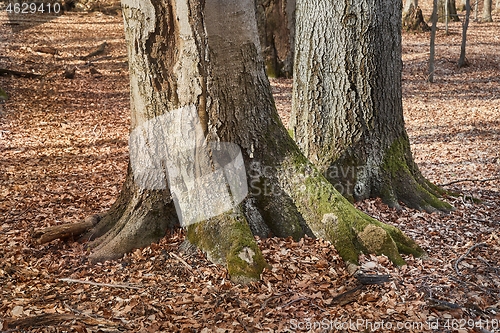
<point>347,107</point>
<point>182,59</point>
<point>487,11</point>
<point>452,11</point>
<point>413,20</point>
<point>276,25</point>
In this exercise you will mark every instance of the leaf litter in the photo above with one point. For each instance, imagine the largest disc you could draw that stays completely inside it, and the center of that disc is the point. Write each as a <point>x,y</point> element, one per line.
<point>63,145</point>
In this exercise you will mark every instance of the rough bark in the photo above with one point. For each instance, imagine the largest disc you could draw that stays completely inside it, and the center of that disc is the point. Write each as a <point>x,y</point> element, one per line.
<point>413,19</point>
<point>347,106</point>
<point>487,11</point>
<point>452,11</point>
<point>188,64</point>
<point>276,25</point>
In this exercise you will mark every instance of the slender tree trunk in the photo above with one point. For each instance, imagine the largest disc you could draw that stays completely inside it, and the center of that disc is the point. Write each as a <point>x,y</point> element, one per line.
<point>452,11</point>
<point>462,61</point>
<point>276,24</point>
<point>347,106</point>
<point>432,45</point>
<point>487,11</point>
<point>196,89</point>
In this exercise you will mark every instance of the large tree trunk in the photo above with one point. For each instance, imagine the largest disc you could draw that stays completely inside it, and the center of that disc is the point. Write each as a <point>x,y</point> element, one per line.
<point>276,25</point>
<point>196,93</point>
<point>452,11</point>
<point>347,106</point>
<point>487,11</point>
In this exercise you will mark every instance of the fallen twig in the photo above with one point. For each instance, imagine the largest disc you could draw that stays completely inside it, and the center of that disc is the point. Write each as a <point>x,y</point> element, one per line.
<point>4,71</point>
<point>264,305</point>
<point>293,301</point>
<point>462,257</point>
<point>470,180</point>
<point>243,324</point>
<point>182,261</point>
<point>99,284</point>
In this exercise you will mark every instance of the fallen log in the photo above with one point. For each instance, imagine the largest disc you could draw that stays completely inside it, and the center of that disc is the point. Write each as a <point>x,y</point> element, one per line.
<point>65,231</point>
<point>4,71</point>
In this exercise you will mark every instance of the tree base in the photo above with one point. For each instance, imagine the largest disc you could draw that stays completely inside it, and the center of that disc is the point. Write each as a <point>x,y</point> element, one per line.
<point>413,20</point>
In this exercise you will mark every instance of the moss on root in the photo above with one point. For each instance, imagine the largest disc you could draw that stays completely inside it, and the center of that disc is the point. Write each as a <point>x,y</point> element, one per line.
<point>333,217</point>
<point>402,181</point>
<point>227,240</point>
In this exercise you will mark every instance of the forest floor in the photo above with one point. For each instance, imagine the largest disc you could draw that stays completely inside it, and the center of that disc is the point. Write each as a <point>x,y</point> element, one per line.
<point>63,156</point>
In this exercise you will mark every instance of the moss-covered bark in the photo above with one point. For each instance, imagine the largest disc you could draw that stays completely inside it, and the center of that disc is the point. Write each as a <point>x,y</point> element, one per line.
<point>221,77</point>
<point>228,240</point>
<point>347,112</point>
<point>333,217</point>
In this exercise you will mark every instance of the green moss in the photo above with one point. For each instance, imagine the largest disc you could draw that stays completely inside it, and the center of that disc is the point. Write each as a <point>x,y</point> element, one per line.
<point>223,239</point>
<point>332,217</point>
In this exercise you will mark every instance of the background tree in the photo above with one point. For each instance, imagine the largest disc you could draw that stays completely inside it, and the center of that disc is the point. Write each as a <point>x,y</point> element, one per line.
<point>413,20</point>
<point>347,112</point>
<point>181,59</point>
<point>432,45</point>
<point>447,10</point>
<point>487,11</point>
<point>276,24</point>
<point>462,61</point>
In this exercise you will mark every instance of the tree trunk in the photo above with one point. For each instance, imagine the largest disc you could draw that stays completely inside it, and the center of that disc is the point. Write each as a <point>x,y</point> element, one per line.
<point>451,13</point>
<point>413,20</point>
<point>461,7</point>
<point>487,11</point>
<point>276,25</point>
<point>432,44</point>
<point>347,106</point>
<point>202,109</point>
<point>462,61</point>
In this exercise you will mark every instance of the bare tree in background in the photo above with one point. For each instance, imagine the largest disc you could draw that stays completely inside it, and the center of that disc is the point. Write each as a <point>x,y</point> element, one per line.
<point>487,11</point>
<point>413,20</point>
<point>462,61</point>
<point>432,47</point>
<point>447,10</point>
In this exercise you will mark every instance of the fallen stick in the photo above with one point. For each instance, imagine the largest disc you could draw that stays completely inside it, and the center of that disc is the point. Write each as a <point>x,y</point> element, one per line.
<point>5,71</point>
<point>182,261</point>
<point>470,180</point>
<point>65,231</point>
<point>99,284</point>
<point>462,257</point>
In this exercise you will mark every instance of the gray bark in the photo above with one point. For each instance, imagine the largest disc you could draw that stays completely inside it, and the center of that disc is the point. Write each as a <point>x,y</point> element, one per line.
<point>196,88</point>
<point>408,5</point>
<point>432,46</point>
<point>450,14</point>
<point>347,112</point>
<point>462,61</point>
<point>487,11</point>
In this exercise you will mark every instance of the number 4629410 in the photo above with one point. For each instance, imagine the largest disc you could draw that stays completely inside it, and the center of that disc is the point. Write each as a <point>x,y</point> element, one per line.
<point>33,8</point>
